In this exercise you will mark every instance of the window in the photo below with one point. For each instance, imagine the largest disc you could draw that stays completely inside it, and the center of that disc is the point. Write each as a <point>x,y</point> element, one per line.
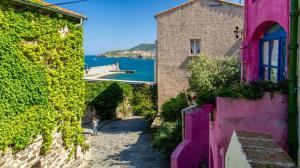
<point>195,46</point>
<point>273,54</point>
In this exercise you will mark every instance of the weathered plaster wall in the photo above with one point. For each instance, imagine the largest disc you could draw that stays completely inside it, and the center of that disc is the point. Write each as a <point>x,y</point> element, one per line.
<point>259,16</point>
<point>194,148</point>
<point>56,158</point>
<point>267,115</point>
<point>202,19</point>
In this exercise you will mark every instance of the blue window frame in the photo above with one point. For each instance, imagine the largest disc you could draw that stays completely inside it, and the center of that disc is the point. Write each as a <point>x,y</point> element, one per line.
<point>273,55</point>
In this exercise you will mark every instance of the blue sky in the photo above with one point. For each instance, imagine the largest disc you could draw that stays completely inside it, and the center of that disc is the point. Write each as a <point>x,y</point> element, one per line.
<point>119,24</point>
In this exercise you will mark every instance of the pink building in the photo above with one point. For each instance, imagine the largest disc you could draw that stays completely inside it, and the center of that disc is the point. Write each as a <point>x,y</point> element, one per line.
<point>264,55</point>
<point>266,32</point>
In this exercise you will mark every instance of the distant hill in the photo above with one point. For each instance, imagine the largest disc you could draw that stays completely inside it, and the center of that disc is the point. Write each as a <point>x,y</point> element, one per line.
<point>140,51</point>
<point>144,47</point>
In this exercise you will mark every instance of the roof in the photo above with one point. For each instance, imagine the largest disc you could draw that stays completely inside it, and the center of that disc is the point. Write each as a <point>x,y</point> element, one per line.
<point>50,7</point>
<point>184,5</point>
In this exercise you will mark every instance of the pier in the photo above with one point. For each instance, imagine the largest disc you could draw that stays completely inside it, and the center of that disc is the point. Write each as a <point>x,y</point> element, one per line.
<point>125,81</point>
<point>100,71</point>
<point>97,72</point>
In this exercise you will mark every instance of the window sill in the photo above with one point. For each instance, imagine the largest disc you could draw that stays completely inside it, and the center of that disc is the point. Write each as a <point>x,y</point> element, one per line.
<point>194,55</point>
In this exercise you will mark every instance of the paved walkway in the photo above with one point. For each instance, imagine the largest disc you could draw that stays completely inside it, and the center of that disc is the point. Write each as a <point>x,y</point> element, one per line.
<point>123,144</point>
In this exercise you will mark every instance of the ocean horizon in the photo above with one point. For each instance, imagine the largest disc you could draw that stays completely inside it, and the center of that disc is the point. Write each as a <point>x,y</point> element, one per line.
<point>144,68</point>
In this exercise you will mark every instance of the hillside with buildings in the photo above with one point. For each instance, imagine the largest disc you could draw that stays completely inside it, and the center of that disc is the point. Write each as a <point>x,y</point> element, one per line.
<point>140,51</point>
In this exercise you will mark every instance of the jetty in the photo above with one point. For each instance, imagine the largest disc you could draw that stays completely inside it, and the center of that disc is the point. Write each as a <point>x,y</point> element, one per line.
<point>97,72</point>
<point>125,81</point>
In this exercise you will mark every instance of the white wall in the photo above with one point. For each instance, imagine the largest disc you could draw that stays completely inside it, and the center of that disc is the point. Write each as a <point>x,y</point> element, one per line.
<point>235,157</point>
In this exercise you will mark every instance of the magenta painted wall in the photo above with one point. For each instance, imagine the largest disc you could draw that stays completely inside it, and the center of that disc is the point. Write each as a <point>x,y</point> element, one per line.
<point>259,16</point>
<point>267,115</point>
<point>194,147</point>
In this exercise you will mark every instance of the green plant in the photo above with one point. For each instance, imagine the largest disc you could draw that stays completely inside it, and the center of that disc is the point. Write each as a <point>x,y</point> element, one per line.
<point>209,74</point>
<point>251,90</point>
<point>168,136</point>
<point>171,110</point>
<point>145,102</point>
<point>107,96</point>
<point>41,84</point>
<point>219,77</point>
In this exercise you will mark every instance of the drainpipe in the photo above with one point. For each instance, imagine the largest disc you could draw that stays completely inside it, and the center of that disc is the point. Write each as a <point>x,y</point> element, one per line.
<point>80,23</point>
<point>293,83</point>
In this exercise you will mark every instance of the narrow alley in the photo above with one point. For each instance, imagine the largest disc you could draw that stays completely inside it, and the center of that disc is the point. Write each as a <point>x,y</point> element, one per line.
<point>124,143</point>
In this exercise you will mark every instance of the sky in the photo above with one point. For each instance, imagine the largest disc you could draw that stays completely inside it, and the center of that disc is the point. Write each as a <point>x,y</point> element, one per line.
<point>119,24</point>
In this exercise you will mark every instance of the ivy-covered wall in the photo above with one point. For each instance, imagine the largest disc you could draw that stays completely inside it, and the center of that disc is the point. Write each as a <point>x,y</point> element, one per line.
<point>107,97</point>
<point>41,78</point>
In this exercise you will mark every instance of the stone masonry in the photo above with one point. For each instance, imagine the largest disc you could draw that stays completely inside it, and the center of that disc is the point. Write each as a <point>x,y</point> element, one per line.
<point>31,158</point>
<point>256,150</point>
<point>211,21</point>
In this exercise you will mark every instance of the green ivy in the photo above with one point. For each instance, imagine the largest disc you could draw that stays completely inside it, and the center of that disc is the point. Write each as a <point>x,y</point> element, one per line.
<point>107,96</point>
<point>41,78</point>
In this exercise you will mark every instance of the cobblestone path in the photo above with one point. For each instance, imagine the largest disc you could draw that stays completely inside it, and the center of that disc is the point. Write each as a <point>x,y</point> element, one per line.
<point>123,144</point>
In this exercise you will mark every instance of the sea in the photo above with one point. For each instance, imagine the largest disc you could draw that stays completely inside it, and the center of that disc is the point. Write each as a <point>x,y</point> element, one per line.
<point>144,67</point>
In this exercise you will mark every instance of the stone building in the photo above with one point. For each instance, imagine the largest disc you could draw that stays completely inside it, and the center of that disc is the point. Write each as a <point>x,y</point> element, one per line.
<point>192,29</point>
<point>42,61</point>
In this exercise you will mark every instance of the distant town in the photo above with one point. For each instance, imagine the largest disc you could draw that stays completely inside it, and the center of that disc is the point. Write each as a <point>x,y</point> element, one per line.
<point>143,50</point>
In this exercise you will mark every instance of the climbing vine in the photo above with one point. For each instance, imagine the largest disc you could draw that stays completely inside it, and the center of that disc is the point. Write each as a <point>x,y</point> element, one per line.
<point>107,96</point>
<point>41,85</point>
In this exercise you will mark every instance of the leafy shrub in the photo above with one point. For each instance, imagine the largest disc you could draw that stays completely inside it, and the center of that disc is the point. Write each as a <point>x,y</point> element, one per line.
<point>212,77</point>
<point>171,110</point>
<point>93,89</point>
<point>251,90</point>
<point>106,97</point>
<point>208,75</point>
<point>168,136</point>
<point>145,102</point>
<point>41,84</point>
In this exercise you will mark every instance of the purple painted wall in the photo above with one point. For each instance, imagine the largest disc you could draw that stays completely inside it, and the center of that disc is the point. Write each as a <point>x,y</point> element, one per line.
<point>267,115</point>
<point>194,148</point>
<point>259,16</point>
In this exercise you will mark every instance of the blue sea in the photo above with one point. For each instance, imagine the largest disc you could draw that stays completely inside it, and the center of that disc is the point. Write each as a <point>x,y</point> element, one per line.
<point>144,67</point>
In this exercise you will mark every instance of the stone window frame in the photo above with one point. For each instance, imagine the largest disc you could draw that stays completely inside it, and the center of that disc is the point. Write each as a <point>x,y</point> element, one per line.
<point>194,50</point>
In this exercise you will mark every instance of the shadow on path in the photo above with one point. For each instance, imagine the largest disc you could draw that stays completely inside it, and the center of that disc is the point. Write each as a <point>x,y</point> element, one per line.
<point>125,143</point>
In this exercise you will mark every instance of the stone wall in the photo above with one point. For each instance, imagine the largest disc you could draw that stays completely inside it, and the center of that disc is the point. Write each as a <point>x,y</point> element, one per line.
<point>211,21</point>
<point>252,150</point>
<point>31,158</point>
<point>124,110</point>
<point>102,70</point>
<point>90,112</point>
